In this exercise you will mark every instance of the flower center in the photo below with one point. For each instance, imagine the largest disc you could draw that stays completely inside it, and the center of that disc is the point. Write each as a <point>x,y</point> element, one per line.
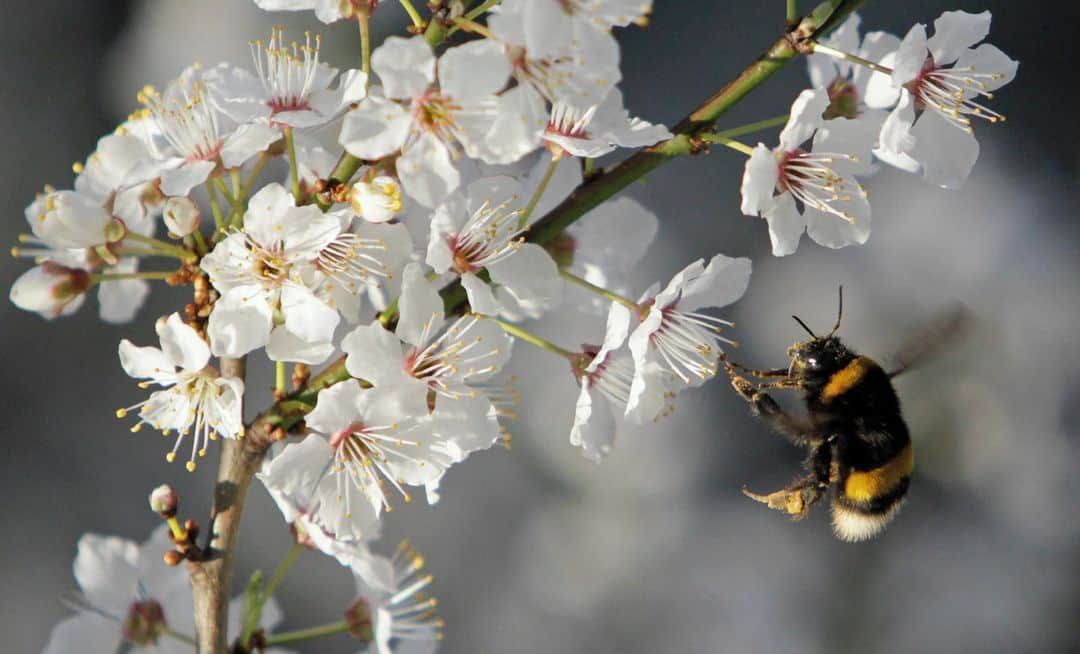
<point>843,99</point>
<point>435,113</point>
<point>270,266</point>
<point>810,178</point>
<point>365,456</point>
<point>491,234</point>
<point>287,72</point>
<point>689,342</point>
<point>953,93</point>
<point>186,121</point>
<point>143,623</point>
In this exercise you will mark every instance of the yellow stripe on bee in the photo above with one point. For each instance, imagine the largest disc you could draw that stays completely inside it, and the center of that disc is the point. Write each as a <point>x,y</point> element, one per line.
<point>846,378</point>
<point>872,484</point>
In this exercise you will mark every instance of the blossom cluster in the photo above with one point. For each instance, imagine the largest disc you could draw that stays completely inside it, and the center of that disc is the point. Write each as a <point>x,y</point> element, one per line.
<point>404,247</point>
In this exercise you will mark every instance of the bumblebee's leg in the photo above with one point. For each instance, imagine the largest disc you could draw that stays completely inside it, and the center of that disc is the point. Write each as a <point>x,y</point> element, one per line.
<point>797,499</point>
<point>798,430</point>
<point>783,383</point>
<point>774,372</point>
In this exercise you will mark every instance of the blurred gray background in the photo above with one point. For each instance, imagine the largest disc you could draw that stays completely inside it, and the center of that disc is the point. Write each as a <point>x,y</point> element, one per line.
<point>536,550</point>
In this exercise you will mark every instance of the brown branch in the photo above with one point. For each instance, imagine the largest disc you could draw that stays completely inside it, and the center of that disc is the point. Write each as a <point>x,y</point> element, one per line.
<point>210,577</point>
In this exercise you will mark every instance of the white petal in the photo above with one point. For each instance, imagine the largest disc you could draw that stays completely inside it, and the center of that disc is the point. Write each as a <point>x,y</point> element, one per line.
<point>895,141</point>
<point>834,232</point>
<point>616,236</point>
<point>406,67</point>
<point>477,68</point>
<point>946,152</point>
<point>85,632</point>
<point>337,407</point>
<point>427,172</point>
<point>465,425</point>
<point>880,91</point>
<point>910,56</point>
<point>481,300</point>
<point>106,569</point>
<point>374,353</point>
<point>286,346</point>
<point>420,308</point>
<point>851,136</point>
<point>268,214</point>
<point>651,393</point>
<point>146,363</point>
<point>183,345</point>
<point>375,128</point>
<point>956,31</point>
<point>120,300</point>
<point>759,181</point>
<point>615,333</point>
<point>805,117</point>
<point>786,226</point>
<point>247,141</point>
<point>186,177</point>
<point>548,29</point>
<point>875,47</point>
<point>530,275</point>
<point>989,59</point>
<point>521,117</point>
<point>306,315</point>
<point>723,281</point>
<point>238,326</point>
<point>594,426</point>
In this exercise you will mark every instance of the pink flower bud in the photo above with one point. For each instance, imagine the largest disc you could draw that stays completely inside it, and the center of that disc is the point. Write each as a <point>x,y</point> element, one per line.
<point>50,289</point>
<point>164,500</point>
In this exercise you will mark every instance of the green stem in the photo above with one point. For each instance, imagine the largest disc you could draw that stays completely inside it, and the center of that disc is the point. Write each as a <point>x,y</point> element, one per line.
<point>388,316</point>
<point>731,143</point>
<point>847,56</point>
<point>363,19</point>
<point>602,292</point>
<point>414,15</point>
<point>215,208</point>
<point>535,199</point>
<point>225,192</point>
<point>162,247</point>
<point>98,278</point>
<point>473,13</point>
<point>529,337</point>
<point>310,632</point>
<point>275,581</point>
<point>279,376</point>
<point>749,127</point>
<point>255,170</point>
<point>200,242</point>
<point>294,171</point>
<point>792,12</point>
<point>176,635</point>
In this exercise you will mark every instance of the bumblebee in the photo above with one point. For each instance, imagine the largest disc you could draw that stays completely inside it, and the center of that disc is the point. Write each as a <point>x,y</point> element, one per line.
<point>859,445</point>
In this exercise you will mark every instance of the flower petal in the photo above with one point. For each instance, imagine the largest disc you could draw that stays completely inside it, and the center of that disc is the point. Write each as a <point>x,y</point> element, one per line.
<point>476,68</point>
<point>427,171</point>
<point>481,300</point>
<point>247,141</point>
<point>376,128</point>
<point>420,308</point>
<point>805,118</point>
<point>183,345</point>
<point>187,176</point>
<point>374,353</point>
<point>238,326</point>
<point>759,181</point>
<point>406,67</point>
<point>306,315</point>
<point>947,153</point>
<point>956,31</point>
<point>106,569</point>
<point>594,426</point>
<point>786,226</point>
<point>286,346</point>
<point>989,59</point>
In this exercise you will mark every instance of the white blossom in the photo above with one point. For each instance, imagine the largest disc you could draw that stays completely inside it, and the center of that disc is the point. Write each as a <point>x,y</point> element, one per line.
<point>403,615</point>
<point>846,82</point>
<point>938,85</point>
<point>675,335</point>
<point>290,87</point>
<point>430,125</point>
<point>479,229</point>
<point>189,136</point>
<point>599,129</point>
<point>376,200</point>
<point>835,210</point>
<point>194,399</point>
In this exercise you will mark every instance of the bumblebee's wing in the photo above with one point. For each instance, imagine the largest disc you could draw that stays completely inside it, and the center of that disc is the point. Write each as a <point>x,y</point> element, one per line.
<point>950,326</point>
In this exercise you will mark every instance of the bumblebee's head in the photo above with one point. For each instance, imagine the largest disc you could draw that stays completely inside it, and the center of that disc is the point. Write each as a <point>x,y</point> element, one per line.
<point>814,361</point>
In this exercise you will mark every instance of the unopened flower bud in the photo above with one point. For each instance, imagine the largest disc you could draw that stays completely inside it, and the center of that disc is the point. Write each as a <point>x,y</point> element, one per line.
<point>115,230</point>
<point>358,617</point>
<point>50,289</point>
<point>172,558</point>
<point>144,622</point>
<point>181,216</point>
<point>376,201</point>
<point>164,500</point>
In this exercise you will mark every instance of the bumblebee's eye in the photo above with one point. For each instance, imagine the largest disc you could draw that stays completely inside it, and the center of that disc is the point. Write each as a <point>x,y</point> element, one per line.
<point>812,362</point>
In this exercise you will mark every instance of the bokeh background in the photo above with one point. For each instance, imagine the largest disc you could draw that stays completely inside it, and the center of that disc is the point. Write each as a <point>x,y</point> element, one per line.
<point>537,550</point>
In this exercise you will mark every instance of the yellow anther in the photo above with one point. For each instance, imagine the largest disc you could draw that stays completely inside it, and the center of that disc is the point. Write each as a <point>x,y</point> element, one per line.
<point>170,457</point>
<point>190,466</point>
<point>121,413</point>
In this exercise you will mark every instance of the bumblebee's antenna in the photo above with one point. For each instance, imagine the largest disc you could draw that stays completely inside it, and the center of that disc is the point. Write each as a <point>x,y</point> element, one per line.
<point>839,311</point>
<point>803,324</point>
